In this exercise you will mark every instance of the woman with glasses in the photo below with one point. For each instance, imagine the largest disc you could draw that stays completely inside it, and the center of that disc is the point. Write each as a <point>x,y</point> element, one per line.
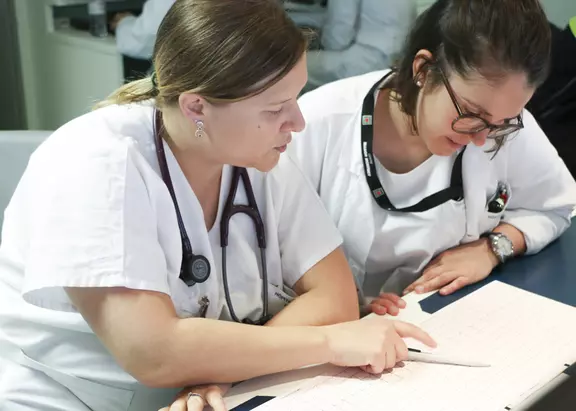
<point>434,172</point>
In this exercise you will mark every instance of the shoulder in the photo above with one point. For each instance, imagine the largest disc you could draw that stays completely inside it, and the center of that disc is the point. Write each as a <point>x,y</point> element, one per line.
<point>98,134</point>
<point>340,98</point>
<point>530,139</point>
<point>102,149</point>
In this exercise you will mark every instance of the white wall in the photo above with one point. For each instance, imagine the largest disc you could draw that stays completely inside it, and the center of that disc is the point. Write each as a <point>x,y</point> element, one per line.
<point>560,11</point>
<point>64,71</point>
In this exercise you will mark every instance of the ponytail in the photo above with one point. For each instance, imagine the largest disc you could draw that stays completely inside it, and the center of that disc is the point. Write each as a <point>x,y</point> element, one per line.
<point>133,92</point>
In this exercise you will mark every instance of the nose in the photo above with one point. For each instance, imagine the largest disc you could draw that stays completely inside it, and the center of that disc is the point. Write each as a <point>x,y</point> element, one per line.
<point>479,139</point>
<point>296,121</point>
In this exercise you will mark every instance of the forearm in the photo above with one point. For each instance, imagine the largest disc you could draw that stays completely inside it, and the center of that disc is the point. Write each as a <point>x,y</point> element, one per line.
<point>159,349</point>
<point>211,351</point>
<point>318,307</point>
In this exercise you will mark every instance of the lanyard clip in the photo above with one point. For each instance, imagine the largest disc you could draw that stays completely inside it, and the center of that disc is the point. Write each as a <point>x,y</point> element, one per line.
<point>204,304</point>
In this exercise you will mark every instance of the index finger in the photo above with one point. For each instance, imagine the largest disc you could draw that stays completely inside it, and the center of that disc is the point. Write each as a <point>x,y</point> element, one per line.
<point>410,330</point>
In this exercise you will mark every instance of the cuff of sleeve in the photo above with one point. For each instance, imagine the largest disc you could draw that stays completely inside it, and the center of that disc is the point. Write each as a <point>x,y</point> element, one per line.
<point>539,229</point>
<point>53,296</point>
<point>307,264</point>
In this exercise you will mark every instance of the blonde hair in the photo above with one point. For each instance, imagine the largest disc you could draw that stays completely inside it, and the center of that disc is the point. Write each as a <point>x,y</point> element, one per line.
<point>224,50</point>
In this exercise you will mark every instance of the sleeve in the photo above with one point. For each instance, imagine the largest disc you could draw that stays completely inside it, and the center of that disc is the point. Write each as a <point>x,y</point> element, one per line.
<point>543,190</point>
<point>91,224</point>
<point>341,24</point>
<point>135,36</point>
<point>306,232</point>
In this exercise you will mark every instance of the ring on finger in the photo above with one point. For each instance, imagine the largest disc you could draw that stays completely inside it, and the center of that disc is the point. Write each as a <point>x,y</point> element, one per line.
<point>195,394</point>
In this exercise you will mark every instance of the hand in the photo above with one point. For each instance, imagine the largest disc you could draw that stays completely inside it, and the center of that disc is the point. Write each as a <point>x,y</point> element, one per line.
<point>210,395</point>
<point>117,18</point>
<point>455,268</point>
<point>387,303</point>
<point>374,343</point>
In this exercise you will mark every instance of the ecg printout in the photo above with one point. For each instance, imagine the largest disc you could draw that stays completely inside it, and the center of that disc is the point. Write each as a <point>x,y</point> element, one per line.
<point>526,338</point>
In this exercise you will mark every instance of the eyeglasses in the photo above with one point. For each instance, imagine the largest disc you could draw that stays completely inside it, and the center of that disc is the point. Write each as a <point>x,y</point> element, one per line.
<point>467,123</point>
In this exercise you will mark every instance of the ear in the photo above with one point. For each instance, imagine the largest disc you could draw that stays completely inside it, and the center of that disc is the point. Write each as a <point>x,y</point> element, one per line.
<point>192,106</point>
<point>421,59</point>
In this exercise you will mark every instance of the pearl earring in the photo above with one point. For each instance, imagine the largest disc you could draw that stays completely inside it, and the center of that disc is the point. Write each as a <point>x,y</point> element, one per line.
<point>199,129</point>
<point>419,83</point>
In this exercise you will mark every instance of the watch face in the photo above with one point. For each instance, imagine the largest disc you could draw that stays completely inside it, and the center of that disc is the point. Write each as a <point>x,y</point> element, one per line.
<point>505,246</point>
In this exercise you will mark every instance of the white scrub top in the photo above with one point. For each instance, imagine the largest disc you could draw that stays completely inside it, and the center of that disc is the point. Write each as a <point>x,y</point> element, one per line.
<point>359,36</point>
<point>388,250</point>
<point>135,36</point>
<point>91,210</point>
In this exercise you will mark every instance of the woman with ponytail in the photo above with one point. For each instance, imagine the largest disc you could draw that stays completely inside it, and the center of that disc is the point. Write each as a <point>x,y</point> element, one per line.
<point>113,288</point>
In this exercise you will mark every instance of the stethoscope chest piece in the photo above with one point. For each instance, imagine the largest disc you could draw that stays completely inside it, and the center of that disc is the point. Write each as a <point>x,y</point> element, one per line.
<point>195,269</point>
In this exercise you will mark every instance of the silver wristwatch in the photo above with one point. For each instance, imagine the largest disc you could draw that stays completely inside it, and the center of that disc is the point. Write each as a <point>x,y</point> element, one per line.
<point>501,246</point>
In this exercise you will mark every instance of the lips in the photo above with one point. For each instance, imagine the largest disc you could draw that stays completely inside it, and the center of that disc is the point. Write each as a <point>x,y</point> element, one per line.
<point>283,147</point>
<point>455,143</point>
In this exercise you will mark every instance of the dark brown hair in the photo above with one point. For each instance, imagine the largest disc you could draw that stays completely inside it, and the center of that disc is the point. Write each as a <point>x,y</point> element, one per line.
<point>487,37</point>
<point>224,50</point>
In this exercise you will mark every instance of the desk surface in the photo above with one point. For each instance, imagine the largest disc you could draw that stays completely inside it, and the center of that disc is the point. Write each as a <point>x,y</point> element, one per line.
<point>550,273</point>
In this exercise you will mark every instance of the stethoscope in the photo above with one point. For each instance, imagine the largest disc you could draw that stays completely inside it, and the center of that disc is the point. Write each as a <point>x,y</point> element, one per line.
<point>195,268</point>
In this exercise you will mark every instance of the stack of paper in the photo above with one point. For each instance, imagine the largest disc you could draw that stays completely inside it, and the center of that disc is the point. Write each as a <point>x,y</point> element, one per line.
<point>527,339</point>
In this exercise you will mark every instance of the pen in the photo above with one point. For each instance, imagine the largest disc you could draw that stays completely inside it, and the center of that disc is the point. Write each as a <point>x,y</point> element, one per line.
<point>417,355</point>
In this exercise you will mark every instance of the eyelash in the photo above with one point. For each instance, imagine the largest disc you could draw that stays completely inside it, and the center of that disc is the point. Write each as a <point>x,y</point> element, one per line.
<point>276,113</point>
<point>473,112</point>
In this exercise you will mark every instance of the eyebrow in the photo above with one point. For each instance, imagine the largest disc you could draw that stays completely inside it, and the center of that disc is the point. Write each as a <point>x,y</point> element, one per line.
<point>478,107</point>
<point>279,102</point>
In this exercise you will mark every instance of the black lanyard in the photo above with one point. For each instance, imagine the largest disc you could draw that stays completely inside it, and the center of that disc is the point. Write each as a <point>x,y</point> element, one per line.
<point>454,192</point>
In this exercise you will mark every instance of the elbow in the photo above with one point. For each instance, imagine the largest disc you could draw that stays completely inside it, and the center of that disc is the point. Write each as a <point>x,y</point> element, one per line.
<point>158,364</point>
<point>154,373</point>
<point>148,368</point>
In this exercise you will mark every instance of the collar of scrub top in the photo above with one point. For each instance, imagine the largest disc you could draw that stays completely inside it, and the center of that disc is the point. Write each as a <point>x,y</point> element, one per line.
<point>454,192</point>
<point>195,268</point>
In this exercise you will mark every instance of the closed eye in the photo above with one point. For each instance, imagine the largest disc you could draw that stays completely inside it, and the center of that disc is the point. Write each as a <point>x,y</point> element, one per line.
<point>275,112</point>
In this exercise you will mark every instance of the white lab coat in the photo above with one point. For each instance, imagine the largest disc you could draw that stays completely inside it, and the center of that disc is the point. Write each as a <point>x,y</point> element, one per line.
<point>135,36</point>
<point>388,250</point>
<point>358,36</point>
<point>92,211</point>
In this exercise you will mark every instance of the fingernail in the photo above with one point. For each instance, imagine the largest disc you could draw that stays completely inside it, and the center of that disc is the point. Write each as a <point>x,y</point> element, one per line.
<point>419,289</point>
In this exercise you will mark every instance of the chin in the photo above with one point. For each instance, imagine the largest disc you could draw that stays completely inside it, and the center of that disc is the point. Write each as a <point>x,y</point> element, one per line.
<point>443,151</point>
<point>444,147</point>
<point>267,164</point>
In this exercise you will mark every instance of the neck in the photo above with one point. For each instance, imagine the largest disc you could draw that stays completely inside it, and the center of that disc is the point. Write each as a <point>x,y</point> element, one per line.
<point>401,123</point>
<point>192,153</point>
<point>395,144</point>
